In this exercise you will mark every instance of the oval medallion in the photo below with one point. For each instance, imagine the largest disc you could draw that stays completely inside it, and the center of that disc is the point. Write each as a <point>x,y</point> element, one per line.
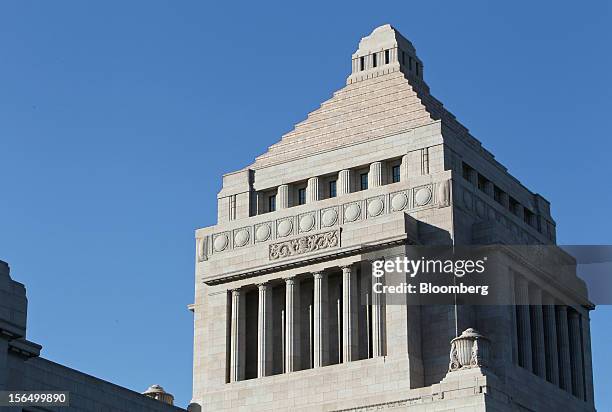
<point>376,207</point>
<point>284,228</point>
<point>241,238</point>
<point>307,222</point>
<point>422,196</point>
<point>399,201</point>
<point>263,233</point>
<point>330,217</point>
<point>220,242</point>
<point>352,212</point>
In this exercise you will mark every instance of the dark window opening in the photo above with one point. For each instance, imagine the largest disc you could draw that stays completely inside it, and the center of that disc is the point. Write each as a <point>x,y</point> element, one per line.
<point>513,205</point>
<point>301,196</point>
<point>374,60</point>
<point>363,181</point>
<point>403,58</point>
<point>387,57</point>
<point>497,194</point>
<point>362,63</point>
<point>417,68</point>
<point>395,174</point>
<point>467,172</point>
<point>272,203</point>
<point>529,217</point>
<point>482,182</point>
<point>332,189</point>
<point>409,62</point>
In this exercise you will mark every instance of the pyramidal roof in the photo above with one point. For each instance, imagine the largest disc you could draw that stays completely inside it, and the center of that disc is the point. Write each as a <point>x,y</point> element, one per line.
<point>385,94</point>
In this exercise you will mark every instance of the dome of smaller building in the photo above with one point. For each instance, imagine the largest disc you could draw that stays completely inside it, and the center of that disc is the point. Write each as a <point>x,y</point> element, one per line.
<point>158,393</point>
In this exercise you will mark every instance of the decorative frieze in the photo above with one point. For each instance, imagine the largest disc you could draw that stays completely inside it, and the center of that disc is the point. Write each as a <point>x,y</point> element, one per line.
<point>305,244</point>
<point>430,195</point>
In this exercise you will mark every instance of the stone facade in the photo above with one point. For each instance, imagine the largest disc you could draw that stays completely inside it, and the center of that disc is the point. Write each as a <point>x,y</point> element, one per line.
<point>22,369</point>
<point>284,315</point>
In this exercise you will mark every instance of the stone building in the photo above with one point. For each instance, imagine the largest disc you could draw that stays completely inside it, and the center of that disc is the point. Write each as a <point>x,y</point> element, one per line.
<point>284,314</point>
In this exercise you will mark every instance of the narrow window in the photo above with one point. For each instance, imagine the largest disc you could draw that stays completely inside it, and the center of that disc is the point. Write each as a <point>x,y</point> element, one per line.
<point>513,205</point>
<point>403,58</point>
<point>528,217</point>
<point>332,189</point>
<point>497,194</point>
<point>362,63</point>
<point>387,57</point>
<point>482,182</point>
<point>467,172</point>
<point>272,203</point>
<point>302,196</point>
<point>374,60</point>
<point>417,68</point>
<point>363,180</point>
<point>395,172</point>
<point>409,62</point>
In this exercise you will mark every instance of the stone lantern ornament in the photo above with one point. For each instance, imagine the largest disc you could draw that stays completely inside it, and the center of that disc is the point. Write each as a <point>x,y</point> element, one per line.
<point>469,350</point>
<point>158,393</point>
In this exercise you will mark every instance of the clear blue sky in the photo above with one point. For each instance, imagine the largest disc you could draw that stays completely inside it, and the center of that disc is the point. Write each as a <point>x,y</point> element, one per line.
<point>117,119</point>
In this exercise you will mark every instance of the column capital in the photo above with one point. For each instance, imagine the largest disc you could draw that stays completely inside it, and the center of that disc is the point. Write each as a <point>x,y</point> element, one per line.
<point>290,280</point>
<point>263,285</point>
<point>317,275</point>
<point>347,267</point>
<point>236,291</point>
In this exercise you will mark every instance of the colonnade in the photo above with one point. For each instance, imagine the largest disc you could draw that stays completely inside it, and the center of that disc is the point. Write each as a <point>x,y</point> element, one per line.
<point>320,317</point>
<point>550,338</point>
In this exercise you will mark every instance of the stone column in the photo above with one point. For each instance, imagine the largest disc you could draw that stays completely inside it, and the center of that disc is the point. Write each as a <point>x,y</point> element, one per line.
<point>282,197</point>
<point>237,337</point>
<point>321,335</point>
<point>349,314</point>
<point>260,206</point>
<point>343,186</point>
<point>377,320</point>
<point>375,175</point>
<point>550,337</point>
<point>264,331</point>
<point>565,367</point>
<point>292,325</point>
<point>575,340</point>
<point>523,322</point>
<point>404,168</point>
<point>537,332</point>
<point>312,190</point>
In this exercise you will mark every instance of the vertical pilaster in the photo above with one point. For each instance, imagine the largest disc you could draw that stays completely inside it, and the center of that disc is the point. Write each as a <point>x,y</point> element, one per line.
<point>575,339</point>
<point>563,345</point>
<point>261,203</point>
<point>292,322</point>
<point>377,320</point>
<point>349,314</point>
<point>312,190</point>
<point>588,360</point>
<point>550,337</point>
<point>237,338</point>
<point>264,331</point>
<point>375,175</point>
<point>344,182</point>
<point>282,197</point>
<point>404,168</point>
<point>537,332</point>
<point>523,322</point>
<point>321,335</point>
